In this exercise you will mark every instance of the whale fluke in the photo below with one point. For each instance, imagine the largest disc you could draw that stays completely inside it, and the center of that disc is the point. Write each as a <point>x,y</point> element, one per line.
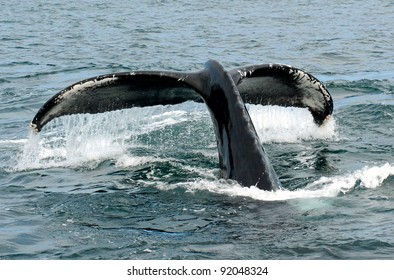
<point>241,155</point>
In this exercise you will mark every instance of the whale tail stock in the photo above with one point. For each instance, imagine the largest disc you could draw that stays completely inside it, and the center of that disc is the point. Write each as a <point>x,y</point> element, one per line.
<point>241,155</point>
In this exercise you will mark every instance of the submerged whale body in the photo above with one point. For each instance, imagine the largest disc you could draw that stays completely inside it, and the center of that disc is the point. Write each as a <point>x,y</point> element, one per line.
<point>241,155</point>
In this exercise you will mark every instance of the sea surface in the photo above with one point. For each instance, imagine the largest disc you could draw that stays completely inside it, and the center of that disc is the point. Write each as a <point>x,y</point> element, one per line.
<point>144,183</point>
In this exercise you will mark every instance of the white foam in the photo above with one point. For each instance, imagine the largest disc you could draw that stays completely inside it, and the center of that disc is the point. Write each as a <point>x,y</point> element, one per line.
<point>368,177</point>
<point>126,161</point>
<point>10,142</point>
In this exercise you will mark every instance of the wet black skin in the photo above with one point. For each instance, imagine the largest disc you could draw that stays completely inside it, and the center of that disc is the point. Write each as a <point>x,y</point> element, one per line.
<point>241,155</point>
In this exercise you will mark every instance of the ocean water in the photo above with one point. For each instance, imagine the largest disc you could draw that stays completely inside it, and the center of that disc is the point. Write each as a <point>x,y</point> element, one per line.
<point>143,183</point>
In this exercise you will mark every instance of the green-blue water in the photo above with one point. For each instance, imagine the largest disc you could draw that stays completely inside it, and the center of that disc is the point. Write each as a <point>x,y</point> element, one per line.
<point>144,184</point>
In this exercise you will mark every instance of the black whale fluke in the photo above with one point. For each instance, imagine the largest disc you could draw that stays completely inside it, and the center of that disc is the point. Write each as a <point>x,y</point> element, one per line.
<point>241,155</point>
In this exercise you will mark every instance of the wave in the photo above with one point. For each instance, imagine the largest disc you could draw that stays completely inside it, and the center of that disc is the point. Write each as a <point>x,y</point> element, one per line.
<point>12,142</point>
<point>382,84</point>
<point>367,177</point>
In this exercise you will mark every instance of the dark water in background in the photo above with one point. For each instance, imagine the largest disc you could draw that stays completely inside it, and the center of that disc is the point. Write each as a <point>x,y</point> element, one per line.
<point>143,183</point>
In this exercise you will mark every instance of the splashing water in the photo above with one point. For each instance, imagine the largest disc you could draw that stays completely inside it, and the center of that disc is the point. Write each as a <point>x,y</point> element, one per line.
<point>71,141</point>
<point>86,140</point>
<point>289,125</point>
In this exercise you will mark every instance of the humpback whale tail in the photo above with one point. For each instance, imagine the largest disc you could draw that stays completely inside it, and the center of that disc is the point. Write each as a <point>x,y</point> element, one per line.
<point>241,155</point>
